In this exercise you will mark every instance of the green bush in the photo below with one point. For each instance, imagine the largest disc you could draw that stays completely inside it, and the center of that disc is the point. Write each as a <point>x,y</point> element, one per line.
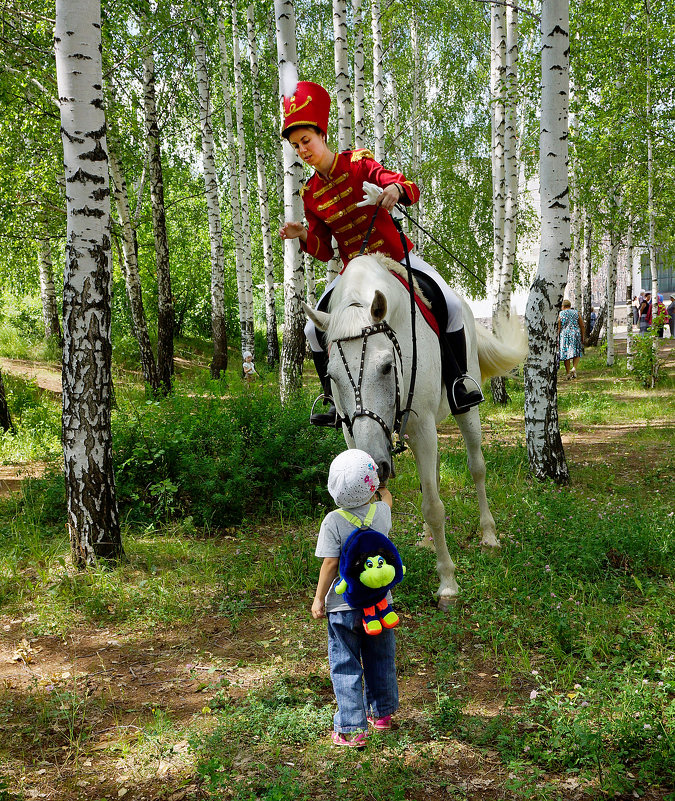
<point>221,460</point>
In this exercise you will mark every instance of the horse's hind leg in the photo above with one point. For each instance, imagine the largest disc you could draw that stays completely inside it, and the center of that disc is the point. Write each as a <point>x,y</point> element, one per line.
<point>425,448</point>
<point>469,425</point>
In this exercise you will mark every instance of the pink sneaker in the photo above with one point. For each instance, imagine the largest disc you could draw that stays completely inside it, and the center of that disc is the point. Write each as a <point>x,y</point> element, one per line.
<point>381,724</point>
<point>356,739</point>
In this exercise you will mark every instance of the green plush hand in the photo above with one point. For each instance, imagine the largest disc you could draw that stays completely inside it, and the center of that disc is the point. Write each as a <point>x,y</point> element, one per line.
<point>341,587</point>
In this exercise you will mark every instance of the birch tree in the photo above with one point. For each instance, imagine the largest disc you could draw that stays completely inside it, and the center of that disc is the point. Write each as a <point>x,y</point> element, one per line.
<point>132,279</point>
<point>50,312</point>
<point>587,269</point>
<point>343,92</point>
<point>232,164</point>
<point>378,80</point>
<point>629,294</point>
<point>497,116</point>
<point>359,76</point>
<point>247,256</point>
<point>165,313</point>
<point>92,516</point>
<point>544,445</point>
<point>5,416</point>
<point>263,198</point>
<point>612,267</point>
<point>417,94</point>
<point>293,347</point>
<point>217,249</point>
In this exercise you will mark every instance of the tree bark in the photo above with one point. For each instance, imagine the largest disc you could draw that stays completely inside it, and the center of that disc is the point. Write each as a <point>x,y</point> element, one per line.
<point>243,183</point>
<point>235,206</point>
<point>587,270</point>
<point>497,114</point>
<point>217,248</point>
<point>50,312</point>
<point>611,290</point>
<point>92,516</point>
<point>544,444</point>
<point>378,80</point>
<point>650,164</point>
<point>343,91</point>
<point>165,312</point>
<point>5,417</point>
<point>263,199</point>
<point>132,279</point>
<point>629,295</point>
<point>359,76</point>
<point>293,347</point>
<point>417,101</point>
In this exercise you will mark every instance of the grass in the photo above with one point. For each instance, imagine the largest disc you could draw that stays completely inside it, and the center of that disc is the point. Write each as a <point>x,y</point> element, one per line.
<point>558,665</point>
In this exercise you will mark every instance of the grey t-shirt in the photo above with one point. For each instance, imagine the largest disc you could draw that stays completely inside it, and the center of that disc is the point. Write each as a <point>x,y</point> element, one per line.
<point>335,531</point>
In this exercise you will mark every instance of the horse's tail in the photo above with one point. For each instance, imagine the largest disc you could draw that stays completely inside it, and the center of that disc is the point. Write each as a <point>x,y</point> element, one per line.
<point>500,352</point>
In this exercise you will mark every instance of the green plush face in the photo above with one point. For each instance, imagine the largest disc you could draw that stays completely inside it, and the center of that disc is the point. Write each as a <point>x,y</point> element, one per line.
<point>377,572</point>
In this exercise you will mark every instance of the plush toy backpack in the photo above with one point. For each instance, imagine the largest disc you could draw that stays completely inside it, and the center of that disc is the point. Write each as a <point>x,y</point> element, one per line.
<point>370,565</point>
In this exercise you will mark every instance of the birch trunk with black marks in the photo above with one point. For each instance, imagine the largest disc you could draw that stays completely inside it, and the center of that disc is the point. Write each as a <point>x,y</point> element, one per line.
<point>50,310</point>
<point>544,444</point>
<point>574,277</point>
<point>650,165</point>
<point>217,248</point>
<point>92,516</point>
<point>498,114</point>
<point>510,160</point>
<point>378,81</point>
<point>310,281</point>
<point>263,198</point>
<point>587,271</point>
<point>293,346</point>
<point>247,255</point>
<point>232,169</point>
<point>132,279</point>
<point>5,417</point>
<point>165,311</point>
<point>417,136</point>
<point>612,266</point>
<point>278,120</point>
<point>341,57</point>
<point>359,76</point>
<point>629,294</point>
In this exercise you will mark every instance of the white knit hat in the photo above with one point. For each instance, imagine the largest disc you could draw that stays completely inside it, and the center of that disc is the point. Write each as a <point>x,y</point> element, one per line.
<point>352,478</point>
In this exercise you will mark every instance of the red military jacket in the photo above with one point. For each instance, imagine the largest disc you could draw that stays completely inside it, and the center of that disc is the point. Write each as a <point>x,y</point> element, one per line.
<point>331,210</point>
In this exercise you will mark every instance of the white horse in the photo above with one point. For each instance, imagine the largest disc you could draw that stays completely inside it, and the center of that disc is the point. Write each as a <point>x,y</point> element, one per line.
<point>368,328</point>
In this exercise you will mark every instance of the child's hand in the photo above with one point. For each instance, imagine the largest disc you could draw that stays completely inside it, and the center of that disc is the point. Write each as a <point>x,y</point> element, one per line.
<point>318,608</point>
<point>385,495</point>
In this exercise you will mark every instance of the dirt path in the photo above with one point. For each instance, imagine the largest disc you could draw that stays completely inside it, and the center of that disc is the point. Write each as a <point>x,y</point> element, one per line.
<point>45,375</point>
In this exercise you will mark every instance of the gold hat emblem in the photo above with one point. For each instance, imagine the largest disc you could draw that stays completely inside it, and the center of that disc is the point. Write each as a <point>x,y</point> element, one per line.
<point>293,108</point>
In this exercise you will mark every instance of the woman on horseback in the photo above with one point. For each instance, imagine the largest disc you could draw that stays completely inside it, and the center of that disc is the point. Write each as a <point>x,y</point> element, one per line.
<point>334,198</point>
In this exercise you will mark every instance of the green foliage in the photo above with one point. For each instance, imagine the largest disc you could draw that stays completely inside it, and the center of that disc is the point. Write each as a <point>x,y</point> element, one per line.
<point>37,421</point>
<point>647,363</point>
<point>220,459</point>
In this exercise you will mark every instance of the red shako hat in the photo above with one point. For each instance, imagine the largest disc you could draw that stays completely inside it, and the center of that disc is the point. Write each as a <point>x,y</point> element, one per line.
<point>309,105</point>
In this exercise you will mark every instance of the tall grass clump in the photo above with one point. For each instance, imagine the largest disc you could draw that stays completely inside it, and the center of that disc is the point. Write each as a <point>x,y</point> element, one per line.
<point>220,460</point>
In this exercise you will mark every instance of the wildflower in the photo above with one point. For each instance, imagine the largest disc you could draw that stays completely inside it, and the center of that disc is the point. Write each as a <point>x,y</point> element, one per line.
<point>577,686</point>
<point>533,695</point>
<point>535,672</point>
<point>584,703</point>
<point>647,727</point>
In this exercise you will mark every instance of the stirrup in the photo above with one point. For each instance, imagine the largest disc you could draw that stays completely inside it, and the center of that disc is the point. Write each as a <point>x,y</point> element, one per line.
<point>335,423</point>
<point>473,402</point>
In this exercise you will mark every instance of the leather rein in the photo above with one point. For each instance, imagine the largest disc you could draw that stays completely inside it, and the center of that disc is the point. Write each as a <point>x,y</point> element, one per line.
<point>402,414</point>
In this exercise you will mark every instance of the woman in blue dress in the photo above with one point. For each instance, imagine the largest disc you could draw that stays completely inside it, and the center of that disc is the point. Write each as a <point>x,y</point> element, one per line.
<point>571,336</point>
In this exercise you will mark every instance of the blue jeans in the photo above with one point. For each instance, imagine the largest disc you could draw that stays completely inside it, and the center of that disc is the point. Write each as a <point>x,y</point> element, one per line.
<point>362,669</point>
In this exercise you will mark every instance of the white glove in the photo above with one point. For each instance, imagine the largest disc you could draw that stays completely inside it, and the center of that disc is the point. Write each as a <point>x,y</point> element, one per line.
<point>371,192</point>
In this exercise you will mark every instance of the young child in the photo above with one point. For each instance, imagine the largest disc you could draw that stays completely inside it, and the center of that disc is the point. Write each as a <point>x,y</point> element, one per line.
<point>249,368</point>
<point>362,667</point>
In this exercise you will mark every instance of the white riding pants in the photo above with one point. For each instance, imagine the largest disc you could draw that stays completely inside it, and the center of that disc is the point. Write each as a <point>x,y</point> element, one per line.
<point>452,301</point>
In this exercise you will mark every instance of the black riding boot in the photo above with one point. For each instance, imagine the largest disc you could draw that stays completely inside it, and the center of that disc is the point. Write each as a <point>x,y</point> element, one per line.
<point>329,417</point>
<point>463,392</point>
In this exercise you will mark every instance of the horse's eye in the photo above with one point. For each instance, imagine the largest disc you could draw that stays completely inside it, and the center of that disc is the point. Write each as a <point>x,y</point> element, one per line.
<point>386,369</point>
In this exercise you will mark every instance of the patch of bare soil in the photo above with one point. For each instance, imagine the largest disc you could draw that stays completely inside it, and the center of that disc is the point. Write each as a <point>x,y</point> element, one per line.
<point>12,475</point>
<point>46,376</point>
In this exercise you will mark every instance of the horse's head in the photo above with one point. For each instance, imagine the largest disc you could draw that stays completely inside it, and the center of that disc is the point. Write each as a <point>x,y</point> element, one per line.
<point>364,372</point>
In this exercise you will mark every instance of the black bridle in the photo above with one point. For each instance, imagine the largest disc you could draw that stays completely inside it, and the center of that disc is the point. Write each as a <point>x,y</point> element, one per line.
<point>402,414</point>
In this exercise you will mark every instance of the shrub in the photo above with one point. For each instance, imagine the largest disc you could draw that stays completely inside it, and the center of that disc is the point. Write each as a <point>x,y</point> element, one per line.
<point>220,460</point>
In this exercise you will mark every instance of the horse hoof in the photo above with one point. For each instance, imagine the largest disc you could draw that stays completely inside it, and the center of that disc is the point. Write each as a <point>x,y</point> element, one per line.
<point>490,547</point>
<point>447,602</point>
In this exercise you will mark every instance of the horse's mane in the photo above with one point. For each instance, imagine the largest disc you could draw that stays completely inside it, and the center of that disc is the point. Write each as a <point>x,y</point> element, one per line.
<point>352,297</point>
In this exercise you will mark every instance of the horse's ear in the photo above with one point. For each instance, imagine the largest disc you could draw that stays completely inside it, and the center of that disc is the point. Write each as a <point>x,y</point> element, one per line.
<point>378,308</point>
<point>319,318</point>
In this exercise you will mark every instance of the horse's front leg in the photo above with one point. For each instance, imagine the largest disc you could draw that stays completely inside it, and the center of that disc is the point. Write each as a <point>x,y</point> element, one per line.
<point>469,425</point>
<point>424,445</point>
